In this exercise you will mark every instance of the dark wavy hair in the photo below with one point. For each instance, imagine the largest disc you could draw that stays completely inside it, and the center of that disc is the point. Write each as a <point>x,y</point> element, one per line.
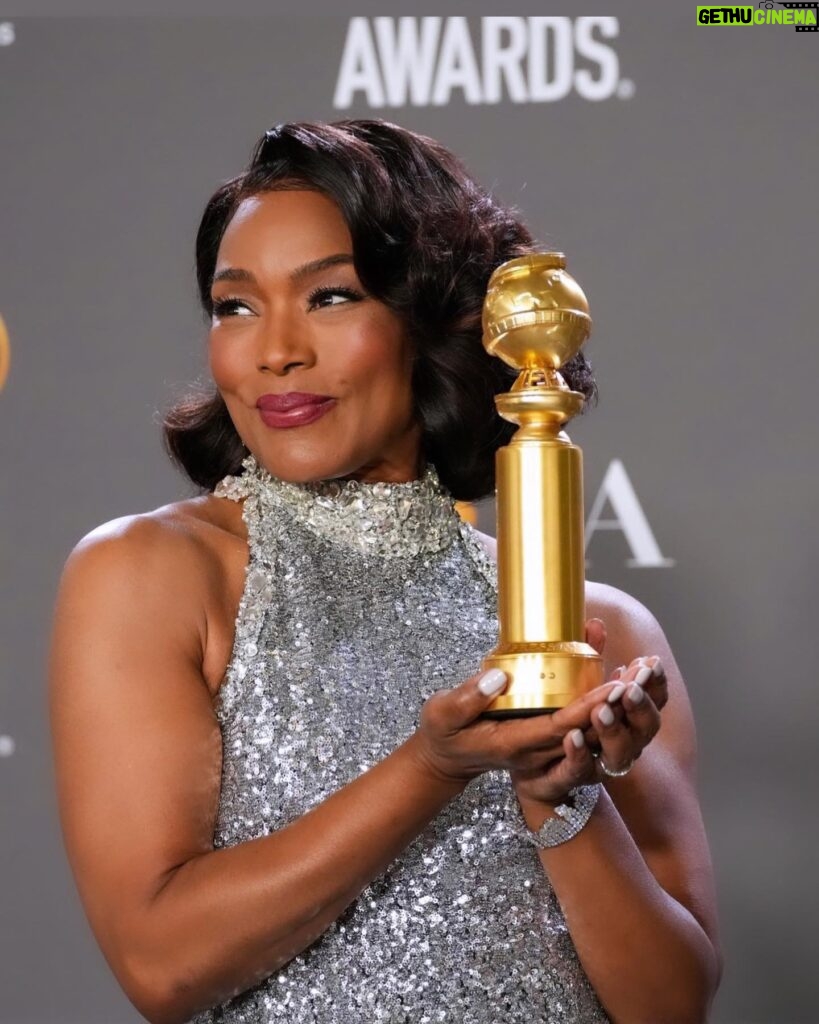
<point>426,238</point>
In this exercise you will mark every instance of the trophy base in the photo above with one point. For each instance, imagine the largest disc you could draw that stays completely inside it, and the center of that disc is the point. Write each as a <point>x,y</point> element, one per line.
<point>542,677</point>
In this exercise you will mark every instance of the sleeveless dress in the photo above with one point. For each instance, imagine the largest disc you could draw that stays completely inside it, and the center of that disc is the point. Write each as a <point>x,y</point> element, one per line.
<point>360,600</point>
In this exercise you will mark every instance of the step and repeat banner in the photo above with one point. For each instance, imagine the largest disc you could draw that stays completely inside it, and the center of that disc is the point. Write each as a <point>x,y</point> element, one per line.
<point>670,153</point>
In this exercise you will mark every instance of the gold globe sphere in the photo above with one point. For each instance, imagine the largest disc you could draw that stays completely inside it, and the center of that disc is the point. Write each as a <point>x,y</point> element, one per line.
<point>535,313</point>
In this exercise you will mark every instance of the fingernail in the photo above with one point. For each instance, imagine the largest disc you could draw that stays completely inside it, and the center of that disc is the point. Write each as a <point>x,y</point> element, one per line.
<point>606,715</point>
<point>616,693</point>
<point>658,668</point>
<point>492,681</point>
<point>636,694</point>
<point>578,739</point>
<point>643,676</point>
<point>619,671</point>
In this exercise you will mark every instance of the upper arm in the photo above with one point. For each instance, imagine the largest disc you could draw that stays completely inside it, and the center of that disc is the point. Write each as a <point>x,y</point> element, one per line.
<point>137,748</point>
<point>658,800</point>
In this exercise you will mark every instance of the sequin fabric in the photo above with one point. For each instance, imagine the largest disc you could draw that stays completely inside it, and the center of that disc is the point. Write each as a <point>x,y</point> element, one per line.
<point>361,600</point>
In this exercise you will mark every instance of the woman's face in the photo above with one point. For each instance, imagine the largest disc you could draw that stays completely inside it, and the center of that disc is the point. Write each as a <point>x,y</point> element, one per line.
<point>291,318</point>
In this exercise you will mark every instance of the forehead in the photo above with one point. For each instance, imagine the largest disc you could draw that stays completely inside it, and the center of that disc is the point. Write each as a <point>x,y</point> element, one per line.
<point>276,230</point>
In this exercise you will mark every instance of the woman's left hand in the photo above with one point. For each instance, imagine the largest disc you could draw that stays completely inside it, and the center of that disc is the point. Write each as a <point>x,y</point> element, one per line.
<point>621,728</point>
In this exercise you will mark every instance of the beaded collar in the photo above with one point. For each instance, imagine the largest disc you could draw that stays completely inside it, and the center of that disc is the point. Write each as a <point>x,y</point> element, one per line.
<point>384,519</point>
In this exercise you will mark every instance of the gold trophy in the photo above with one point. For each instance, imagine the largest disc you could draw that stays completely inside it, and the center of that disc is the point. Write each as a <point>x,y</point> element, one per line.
<point>536,318</point>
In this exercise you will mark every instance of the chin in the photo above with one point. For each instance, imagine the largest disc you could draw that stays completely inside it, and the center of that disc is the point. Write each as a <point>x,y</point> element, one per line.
<point>307,469</point>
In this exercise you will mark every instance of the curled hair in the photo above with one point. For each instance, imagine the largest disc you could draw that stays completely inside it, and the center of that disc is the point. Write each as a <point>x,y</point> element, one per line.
<point>426,238</point>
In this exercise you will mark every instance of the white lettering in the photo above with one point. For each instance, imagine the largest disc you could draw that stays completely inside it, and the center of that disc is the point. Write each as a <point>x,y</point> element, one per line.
<point>457,67</point>
<point>407,57</point>
<point>550,80</point>
<point>423,61</point>
<point>605,85</point>
<point>504,61</point>
<point>359,68</point>
<point>617,489</point>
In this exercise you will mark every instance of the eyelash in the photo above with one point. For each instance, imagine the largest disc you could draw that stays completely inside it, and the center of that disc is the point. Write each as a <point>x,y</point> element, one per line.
<point>224,306</point>
<point>324,290</point>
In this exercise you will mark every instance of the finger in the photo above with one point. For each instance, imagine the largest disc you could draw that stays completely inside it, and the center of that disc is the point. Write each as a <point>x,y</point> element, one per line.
<point>577,767</point>
<point>657,685</point>
<point>641,716</point>
<point>543,734</point>
<point>453,709</point>
<point>578,713</point>
<point>596,634</point>
<point>617,744</point>
<point>573,766</point>
<point>650,674</point>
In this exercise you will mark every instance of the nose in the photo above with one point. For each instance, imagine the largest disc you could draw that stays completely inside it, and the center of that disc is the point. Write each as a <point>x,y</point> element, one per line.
<point>284,344</point>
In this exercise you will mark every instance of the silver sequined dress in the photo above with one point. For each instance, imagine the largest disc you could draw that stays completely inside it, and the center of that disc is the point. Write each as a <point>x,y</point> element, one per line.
<point>361,600</point>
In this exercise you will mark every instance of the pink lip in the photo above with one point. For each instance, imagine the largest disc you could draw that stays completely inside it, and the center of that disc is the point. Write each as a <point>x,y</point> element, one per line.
<point>294,409</point>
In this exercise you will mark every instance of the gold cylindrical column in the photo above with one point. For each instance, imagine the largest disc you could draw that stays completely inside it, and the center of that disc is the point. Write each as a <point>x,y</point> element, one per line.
<point>535,319</point>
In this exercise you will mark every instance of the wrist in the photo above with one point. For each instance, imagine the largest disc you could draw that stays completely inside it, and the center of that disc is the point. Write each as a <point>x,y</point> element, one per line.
<point>536,810</point>
<point>423,766</point>
<point>551,825</point>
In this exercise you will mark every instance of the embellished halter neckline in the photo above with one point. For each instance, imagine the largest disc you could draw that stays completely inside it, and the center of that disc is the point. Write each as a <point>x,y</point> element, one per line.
<point>388,519</point>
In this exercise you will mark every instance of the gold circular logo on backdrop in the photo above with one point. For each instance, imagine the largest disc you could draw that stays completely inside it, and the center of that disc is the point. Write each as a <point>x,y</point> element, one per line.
<point>5,353</point>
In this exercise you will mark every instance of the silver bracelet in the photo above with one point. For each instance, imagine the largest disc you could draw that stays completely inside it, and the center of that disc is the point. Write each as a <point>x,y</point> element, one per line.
<point>569,821</point>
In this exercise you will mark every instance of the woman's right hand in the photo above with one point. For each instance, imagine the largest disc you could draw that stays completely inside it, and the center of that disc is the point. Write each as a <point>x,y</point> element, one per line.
<point>455,744</point>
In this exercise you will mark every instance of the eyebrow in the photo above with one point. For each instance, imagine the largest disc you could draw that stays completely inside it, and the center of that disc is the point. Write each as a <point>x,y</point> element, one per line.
<point>305,270</point>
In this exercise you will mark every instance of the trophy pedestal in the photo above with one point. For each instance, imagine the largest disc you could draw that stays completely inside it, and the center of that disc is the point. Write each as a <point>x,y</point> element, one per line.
<point>543,677</point>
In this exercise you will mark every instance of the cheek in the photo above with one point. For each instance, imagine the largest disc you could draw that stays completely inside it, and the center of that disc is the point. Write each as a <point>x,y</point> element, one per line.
<point>378,360</point>
<point>225,363</point>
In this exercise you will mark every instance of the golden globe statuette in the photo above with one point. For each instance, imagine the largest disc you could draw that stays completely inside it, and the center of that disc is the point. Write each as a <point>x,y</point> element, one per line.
<point>536,318</point>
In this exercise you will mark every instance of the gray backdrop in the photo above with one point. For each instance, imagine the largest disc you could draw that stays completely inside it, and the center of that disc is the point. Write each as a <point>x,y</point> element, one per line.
<point>686,200</point>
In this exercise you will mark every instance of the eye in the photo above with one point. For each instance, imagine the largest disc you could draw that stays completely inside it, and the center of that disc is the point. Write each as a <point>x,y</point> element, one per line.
<point>229,306</point>
<point>335,295</point>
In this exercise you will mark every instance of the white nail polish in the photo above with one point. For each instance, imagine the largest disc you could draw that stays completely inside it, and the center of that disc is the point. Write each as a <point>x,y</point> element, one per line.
<point>616,693</point>
<point>658,668</point>
<point>578,739</point>
<point>643,676</point>
<point>636,694</point>
<point>491,681</point>
<point>606,715</point>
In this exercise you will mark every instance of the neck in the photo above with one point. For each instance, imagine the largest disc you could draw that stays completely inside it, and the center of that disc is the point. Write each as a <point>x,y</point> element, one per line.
<point>398,518</point>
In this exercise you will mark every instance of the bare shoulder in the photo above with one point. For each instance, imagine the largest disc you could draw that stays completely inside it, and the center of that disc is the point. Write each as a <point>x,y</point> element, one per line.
<point>179,526</point>
<point>174,546</point>
<point>179,564</point>
<point>628,621</point>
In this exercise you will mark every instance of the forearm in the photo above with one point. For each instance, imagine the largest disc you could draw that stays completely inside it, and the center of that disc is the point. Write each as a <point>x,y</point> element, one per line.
<point>646,956</point>
<point>226,920</point>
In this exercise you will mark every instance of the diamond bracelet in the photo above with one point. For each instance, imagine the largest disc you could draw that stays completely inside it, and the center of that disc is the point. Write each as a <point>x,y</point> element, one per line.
<point>570,819</point>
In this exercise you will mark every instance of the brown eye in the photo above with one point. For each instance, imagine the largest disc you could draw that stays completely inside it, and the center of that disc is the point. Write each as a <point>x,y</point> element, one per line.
<point>230,307</point>
<point>327,296</point>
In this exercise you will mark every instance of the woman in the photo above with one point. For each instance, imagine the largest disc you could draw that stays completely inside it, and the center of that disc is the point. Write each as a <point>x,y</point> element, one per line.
<point>279,798</point>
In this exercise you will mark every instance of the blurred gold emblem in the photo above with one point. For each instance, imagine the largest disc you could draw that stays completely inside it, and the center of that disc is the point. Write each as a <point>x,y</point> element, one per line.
<point>5,353</point>
<point>466,510</point>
